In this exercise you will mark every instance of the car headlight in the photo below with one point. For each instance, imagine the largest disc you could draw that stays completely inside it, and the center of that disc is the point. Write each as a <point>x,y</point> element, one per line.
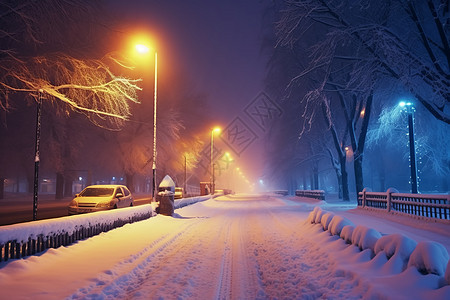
<point>73,203</point>
<point>104,204</point>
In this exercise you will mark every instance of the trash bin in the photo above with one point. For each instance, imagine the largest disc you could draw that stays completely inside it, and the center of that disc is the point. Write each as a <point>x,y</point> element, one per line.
<point>165,196</point>
<point>166,203</point>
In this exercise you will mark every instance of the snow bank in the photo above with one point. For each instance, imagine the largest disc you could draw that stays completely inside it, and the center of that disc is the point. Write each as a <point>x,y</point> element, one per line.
<point>319,216</point>
<point>326,219</point>
<point>337,224</point>
<point>365,238</point>
<point>23,231</point>
<point>395,244</point>
<point>312,215</point>
<point>400,251</point>
<point>429,258</point>
<point>188,201</point>
<point>346,233</point>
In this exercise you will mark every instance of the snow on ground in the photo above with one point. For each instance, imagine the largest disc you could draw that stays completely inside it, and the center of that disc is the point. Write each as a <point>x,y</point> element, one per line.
<point>235,247</point>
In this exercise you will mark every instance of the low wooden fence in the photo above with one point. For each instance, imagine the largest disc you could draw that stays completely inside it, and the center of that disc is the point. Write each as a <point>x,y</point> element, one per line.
<point>40,242</point>
<point>281,192</point>
<point>430,206</point>
<point>315,194</point>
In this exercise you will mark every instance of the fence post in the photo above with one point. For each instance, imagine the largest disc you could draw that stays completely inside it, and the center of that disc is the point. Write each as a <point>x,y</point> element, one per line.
<point>364,198</point>
<point>388,205</point>
<point>389,198</point>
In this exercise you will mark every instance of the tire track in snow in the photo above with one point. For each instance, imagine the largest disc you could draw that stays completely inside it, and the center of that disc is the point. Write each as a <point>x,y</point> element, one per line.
<point>108,282</point>
<point>224,280</point>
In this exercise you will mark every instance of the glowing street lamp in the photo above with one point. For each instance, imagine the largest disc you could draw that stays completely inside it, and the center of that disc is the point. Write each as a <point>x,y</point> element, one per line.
<point>212,179</point>
<point>142,49</point>
<point>409,108</point>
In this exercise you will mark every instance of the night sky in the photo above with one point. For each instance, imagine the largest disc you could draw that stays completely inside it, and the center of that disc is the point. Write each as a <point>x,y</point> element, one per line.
<point>216,45</point>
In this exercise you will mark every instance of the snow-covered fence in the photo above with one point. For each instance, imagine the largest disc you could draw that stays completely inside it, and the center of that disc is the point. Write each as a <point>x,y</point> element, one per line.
<point>25,239</point>
<point>188,201</point>
<point>430,206</point>
<point>400,252</point>
<point>315,194</point>
<point>281,192</point>
<point>192,190</point>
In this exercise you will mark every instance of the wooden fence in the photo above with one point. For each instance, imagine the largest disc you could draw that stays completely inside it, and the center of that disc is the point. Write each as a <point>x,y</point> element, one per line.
<point>315,194</point>
<point>281,192</point>
<point>430,206</point>
<point>15,249</point>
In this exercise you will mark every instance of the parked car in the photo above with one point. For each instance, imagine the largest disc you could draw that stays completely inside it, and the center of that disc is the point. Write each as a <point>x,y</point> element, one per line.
<point>178,193</point>
<point>100,197</point>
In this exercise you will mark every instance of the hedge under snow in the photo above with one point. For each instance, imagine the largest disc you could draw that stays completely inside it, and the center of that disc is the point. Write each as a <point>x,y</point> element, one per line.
<point>428,257</point>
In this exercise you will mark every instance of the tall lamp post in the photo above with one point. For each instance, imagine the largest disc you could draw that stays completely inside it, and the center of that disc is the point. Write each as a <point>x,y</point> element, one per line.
<point>37,155</point>
<point>211,181</point>
<point>409,108</point>
<point>144,49</point>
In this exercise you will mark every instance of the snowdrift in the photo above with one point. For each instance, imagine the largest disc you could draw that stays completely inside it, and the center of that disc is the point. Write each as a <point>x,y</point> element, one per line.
<point>20,240</point>
<point>400,251</point>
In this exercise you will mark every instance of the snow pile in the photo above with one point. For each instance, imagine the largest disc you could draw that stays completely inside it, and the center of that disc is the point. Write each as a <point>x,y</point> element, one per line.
<point>23,231</point>
<point>400,252</point>
<point>326,219</point>
<point>397,248</point>
<point>365,238</point>
<point>188,201</point>
<point>337,224</point>
<point>429,258</point>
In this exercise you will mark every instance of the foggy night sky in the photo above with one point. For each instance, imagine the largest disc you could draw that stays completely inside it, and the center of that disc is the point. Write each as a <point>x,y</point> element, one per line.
<point>215,44</point>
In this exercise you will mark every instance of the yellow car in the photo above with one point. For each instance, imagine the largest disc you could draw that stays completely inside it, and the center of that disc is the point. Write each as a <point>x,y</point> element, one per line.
<point>178,193</point>
<point>100,197</point>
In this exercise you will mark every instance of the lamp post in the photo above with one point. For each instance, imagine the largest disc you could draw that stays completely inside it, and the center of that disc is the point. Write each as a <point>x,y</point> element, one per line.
<point>37,155</point>
<point>211,181</point>
<point>409,108</point>
<point>144,49</point>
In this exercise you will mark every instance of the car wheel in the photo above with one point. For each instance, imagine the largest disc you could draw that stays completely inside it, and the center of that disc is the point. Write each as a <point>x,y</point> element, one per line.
<point>131,204</point>
<point>115,206</point>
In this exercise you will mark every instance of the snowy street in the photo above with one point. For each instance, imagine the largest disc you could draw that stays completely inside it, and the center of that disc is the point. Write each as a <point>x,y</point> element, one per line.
<point>233,247</point>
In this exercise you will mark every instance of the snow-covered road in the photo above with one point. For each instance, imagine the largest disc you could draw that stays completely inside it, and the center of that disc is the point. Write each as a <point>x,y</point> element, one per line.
<point>235,247</point>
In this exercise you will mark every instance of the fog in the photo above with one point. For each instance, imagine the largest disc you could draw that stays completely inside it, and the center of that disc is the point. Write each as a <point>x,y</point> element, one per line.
<point>301,107</point>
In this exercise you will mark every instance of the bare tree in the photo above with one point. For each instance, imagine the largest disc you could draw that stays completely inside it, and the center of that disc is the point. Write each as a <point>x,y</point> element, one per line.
<point>407,41</point>
<point>44,50</point>
<point>85,86</point>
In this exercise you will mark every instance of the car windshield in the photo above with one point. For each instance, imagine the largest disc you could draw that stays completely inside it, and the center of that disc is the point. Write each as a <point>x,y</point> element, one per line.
<point>97,192</point>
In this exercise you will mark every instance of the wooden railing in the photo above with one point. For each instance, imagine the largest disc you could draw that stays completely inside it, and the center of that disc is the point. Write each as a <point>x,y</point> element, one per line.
<point>425,205</point>
<point>315,194</point>
<point>281,192</point>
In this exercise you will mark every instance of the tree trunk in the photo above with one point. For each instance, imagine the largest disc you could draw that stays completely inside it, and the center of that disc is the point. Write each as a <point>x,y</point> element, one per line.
<point>59,186</point>
<point>345,194</point>
<point>2,187</point>
<point>359,180</point>
<point>339,180</point>
<point>130,181</point>
<point>68,185</point>
<point>316,177</point>
<point>304,182</point>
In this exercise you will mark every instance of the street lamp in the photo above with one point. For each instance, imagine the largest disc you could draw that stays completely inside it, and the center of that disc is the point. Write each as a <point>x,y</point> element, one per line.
<point>409,108</point>
<point>143,50</point>
<point>37,155</point>
<point>211,181</point>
